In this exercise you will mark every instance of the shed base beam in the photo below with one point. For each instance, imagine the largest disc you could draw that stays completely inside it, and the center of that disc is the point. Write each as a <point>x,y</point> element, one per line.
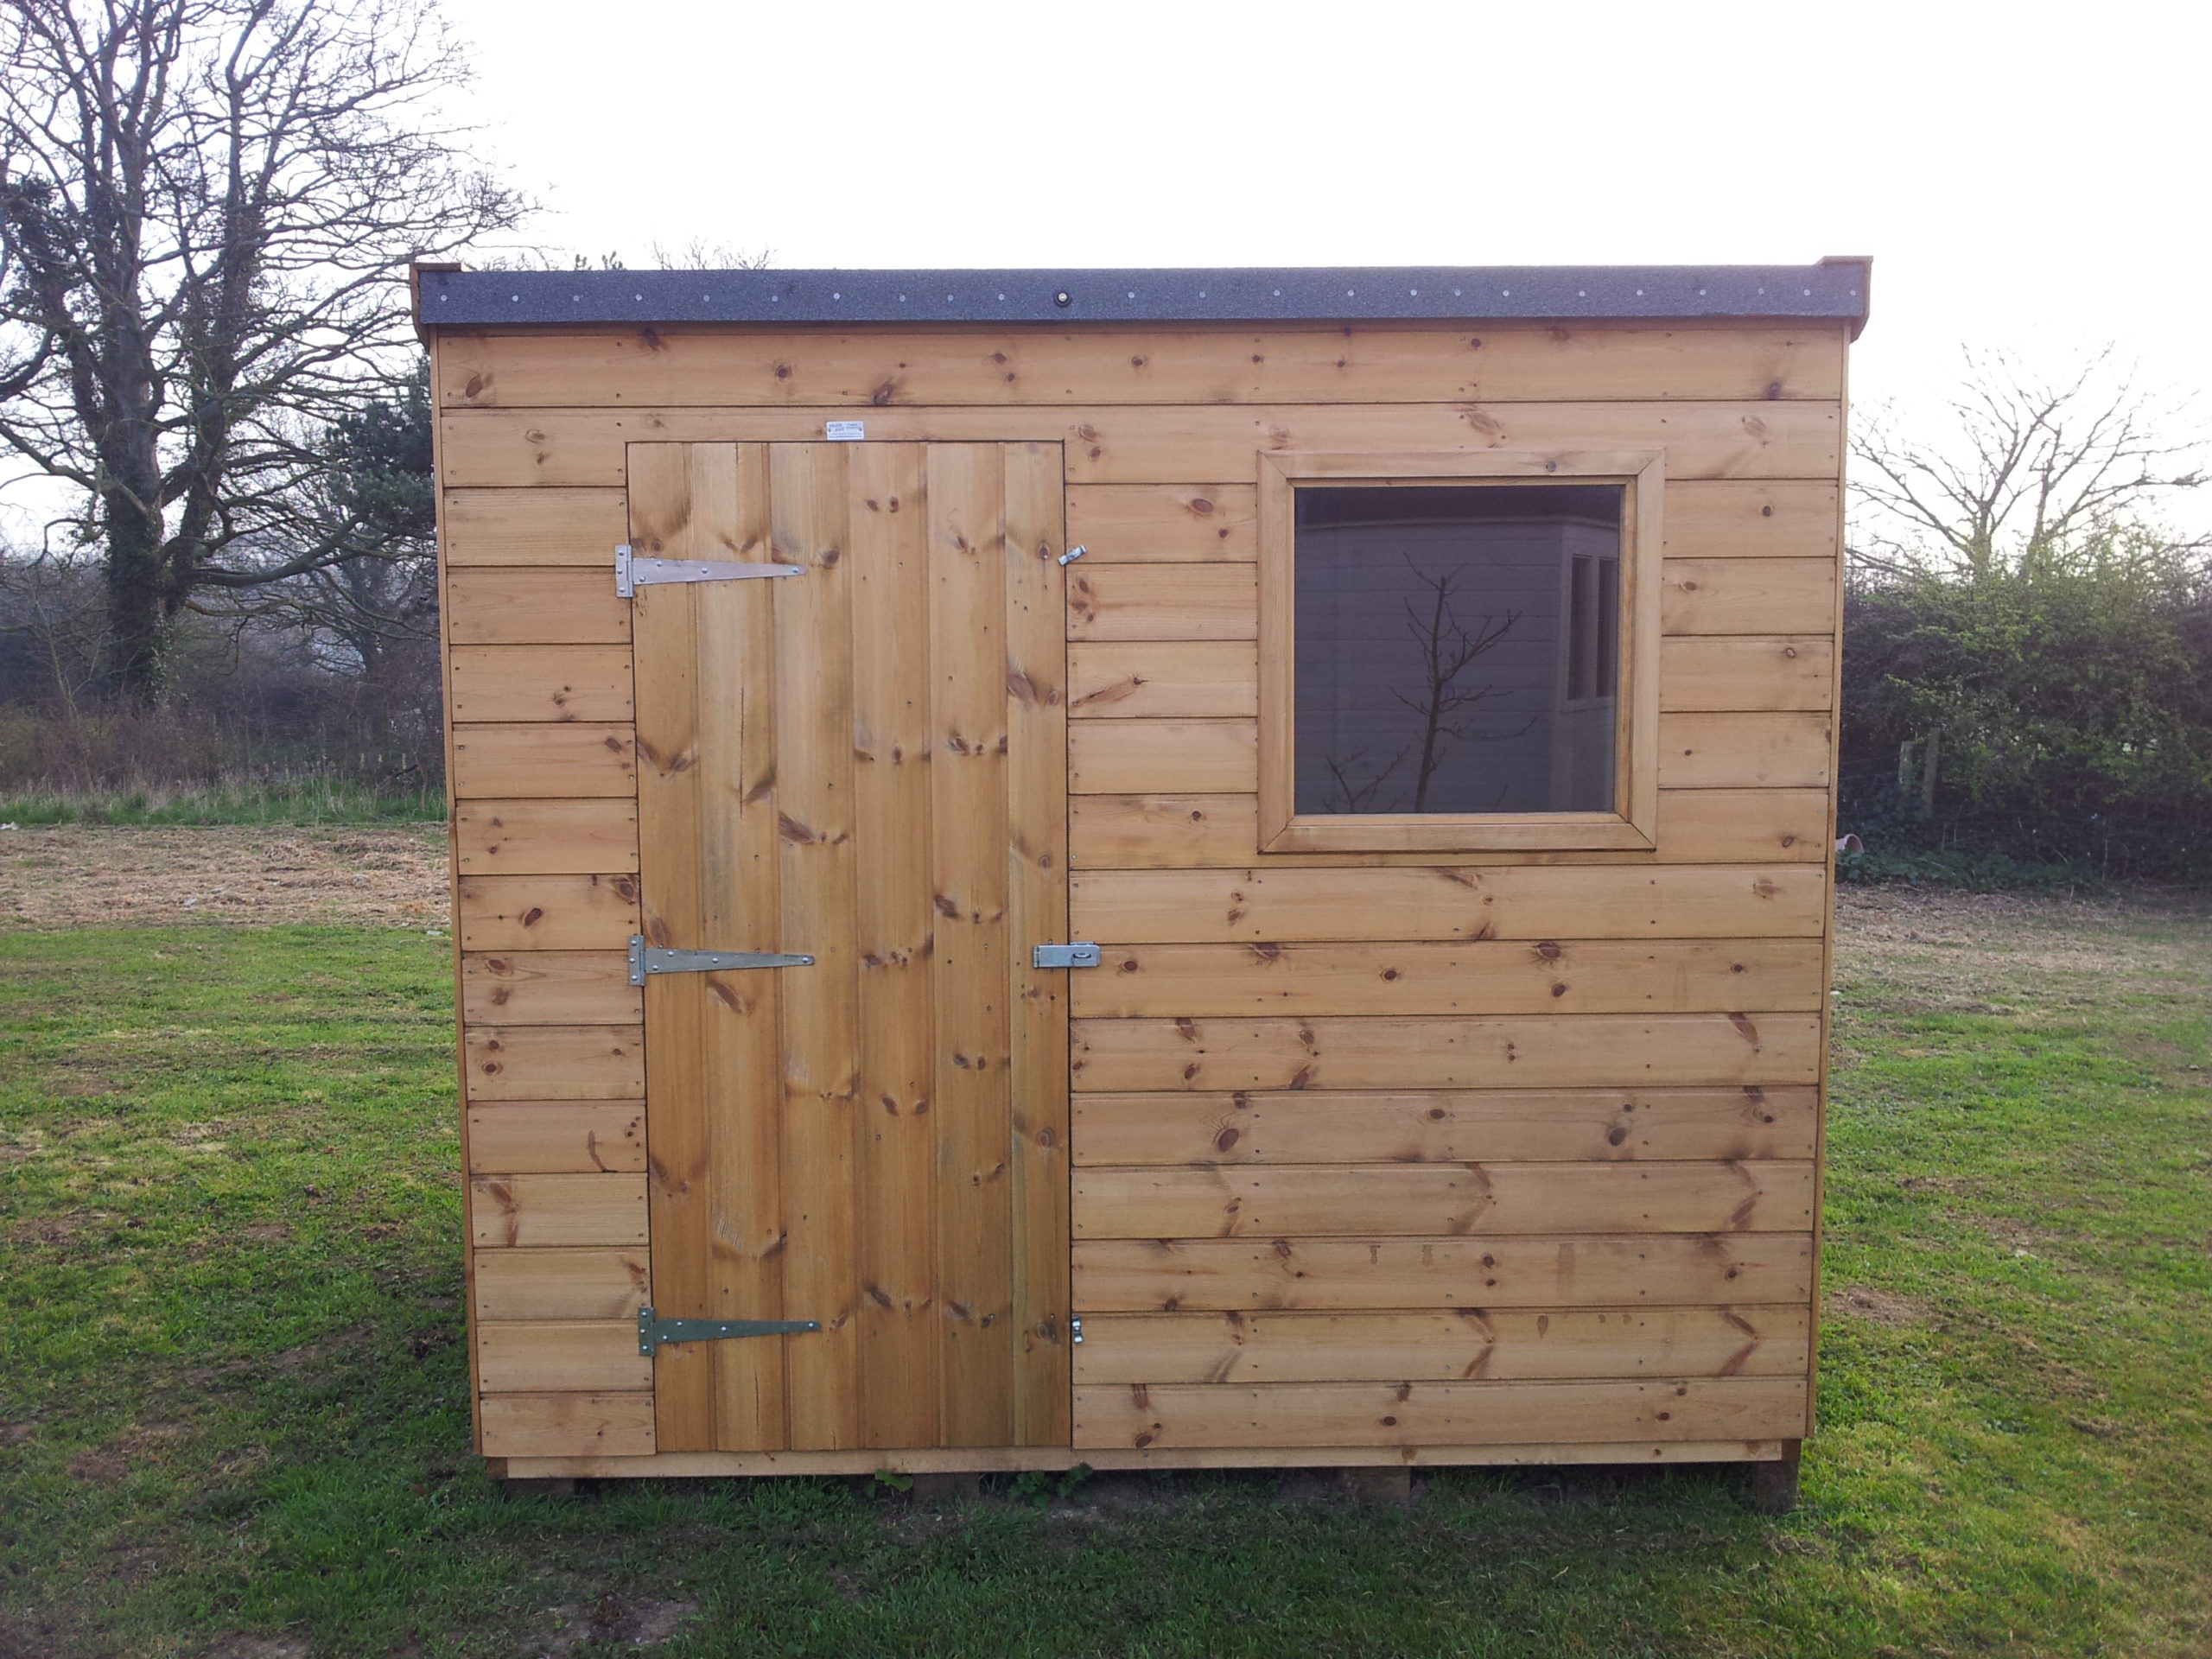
<point>1014,1459</point>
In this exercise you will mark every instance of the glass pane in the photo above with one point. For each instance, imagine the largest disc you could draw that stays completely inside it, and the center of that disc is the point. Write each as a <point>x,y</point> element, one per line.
<point>1458,647</point>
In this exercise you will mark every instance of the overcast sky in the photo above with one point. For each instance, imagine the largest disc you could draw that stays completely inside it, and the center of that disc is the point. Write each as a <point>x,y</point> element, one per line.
<point>2026,176</point>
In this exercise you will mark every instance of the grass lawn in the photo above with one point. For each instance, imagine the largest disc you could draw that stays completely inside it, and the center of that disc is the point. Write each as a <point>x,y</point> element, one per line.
<point>232,1389</point>
<point>315,800</point>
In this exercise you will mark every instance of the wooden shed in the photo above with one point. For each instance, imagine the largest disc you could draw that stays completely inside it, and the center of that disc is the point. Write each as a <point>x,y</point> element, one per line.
<point>1147,868</point>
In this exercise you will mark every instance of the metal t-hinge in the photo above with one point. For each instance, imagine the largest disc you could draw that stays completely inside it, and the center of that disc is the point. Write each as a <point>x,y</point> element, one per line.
<point>654,1334</point>
<point>1081,953</point>
<point>631,571</point>
<point>652,959</point>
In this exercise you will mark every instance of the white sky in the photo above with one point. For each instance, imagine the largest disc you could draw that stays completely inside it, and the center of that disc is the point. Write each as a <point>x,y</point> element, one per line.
<point>2027,176</point>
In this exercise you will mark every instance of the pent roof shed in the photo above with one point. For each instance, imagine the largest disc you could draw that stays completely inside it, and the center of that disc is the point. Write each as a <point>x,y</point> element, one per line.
<point>1155,868</point>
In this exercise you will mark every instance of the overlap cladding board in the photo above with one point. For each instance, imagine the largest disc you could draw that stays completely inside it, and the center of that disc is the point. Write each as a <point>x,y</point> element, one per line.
<point>1374,1157</point>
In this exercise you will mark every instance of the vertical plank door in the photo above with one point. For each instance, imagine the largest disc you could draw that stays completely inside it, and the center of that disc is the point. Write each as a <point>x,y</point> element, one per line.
<point>865,763</point>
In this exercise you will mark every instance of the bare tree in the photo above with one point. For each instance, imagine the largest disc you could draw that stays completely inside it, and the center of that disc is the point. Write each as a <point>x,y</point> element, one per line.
<point>1351,794</point>
<point>206,211</point>
<point>50,630</point>
<point>698,254</point>
<point>376,607</point>
<point>1447,648</point>
<point>2035,465</point>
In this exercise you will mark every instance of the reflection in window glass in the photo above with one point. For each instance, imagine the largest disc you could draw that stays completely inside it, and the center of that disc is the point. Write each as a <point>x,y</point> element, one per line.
<point>1458,648</point>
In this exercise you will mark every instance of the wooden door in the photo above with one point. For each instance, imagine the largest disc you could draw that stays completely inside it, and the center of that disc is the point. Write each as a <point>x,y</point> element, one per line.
<point>866,763</point>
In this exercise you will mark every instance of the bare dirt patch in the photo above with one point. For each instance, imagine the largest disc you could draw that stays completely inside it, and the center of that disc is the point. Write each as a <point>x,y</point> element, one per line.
<point>57,1229</point>
<point>100,875</point>
<point>109,1464</point>
<point>1948,1184</point>
<point>623,1621</point>
<point>1880,1307</point>
<point>258,1647</point>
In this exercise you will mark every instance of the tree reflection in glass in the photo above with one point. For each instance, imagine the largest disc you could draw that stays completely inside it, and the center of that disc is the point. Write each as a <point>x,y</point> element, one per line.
<point>1455,648</point>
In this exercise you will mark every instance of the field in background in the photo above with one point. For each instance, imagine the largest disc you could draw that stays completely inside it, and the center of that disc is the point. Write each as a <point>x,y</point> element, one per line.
<point>233,1391</point>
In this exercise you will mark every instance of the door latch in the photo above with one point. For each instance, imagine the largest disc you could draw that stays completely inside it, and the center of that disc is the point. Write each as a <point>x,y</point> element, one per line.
<point>1081,953</point>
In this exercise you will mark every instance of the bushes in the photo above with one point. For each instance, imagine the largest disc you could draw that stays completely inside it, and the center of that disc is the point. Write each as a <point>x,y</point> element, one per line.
<point>257,721</point>
<point>2054,711</point>
<point>164,766</point>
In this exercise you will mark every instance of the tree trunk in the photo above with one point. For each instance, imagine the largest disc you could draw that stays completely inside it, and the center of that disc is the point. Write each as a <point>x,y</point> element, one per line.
<point>136,628</point>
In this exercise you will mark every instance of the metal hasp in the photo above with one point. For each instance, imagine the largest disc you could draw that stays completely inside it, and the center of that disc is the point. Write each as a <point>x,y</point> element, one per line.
<point>1075,1329</point>
<point>652,959</point>
<point>1073,555</point>
<point>633,572</point>
<point>1082,954</point>
<point>653,1333</point>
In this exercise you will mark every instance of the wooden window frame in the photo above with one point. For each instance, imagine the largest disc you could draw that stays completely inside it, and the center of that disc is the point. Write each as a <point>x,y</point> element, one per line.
<point>1642,474</point>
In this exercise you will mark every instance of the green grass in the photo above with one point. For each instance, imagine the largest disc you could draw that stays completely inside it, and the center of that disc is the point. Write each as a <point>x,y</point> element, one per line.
<point>311,801</point>
<point>232,1389</point>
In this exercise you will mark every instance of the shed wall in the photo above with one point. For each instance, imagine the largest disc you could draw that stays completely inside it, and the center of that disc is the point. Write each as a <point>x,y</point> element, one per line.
<point>1372,1151</point>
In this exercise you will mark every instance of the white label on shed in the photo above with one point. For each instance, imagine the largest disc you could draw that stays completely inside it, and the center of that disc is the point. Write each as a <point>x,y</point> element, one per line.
<point>847,431</point>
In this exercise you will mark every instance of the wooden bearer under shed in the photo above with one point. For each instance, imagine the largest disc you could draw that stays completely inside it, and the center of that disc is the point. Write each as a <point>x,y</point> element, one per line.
<point>1406,696</point>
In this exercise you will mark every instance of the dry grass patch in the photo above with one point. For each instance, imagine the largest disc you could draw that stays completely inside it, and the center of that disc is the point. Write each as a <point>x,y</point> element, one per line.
<point>77,876</point>
<point>1945,952</point>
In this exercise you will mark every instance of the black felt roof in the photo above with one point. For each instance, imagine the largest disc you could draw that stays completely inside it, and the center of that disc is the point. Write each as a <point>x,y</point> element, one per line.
<point>1834,289</point>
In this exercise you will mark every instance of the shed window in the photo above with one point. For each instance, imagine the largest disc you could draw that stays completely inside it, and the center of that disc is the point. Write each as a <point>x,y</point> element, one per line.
<point>1455,648</point>
<point>1453,661</point>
